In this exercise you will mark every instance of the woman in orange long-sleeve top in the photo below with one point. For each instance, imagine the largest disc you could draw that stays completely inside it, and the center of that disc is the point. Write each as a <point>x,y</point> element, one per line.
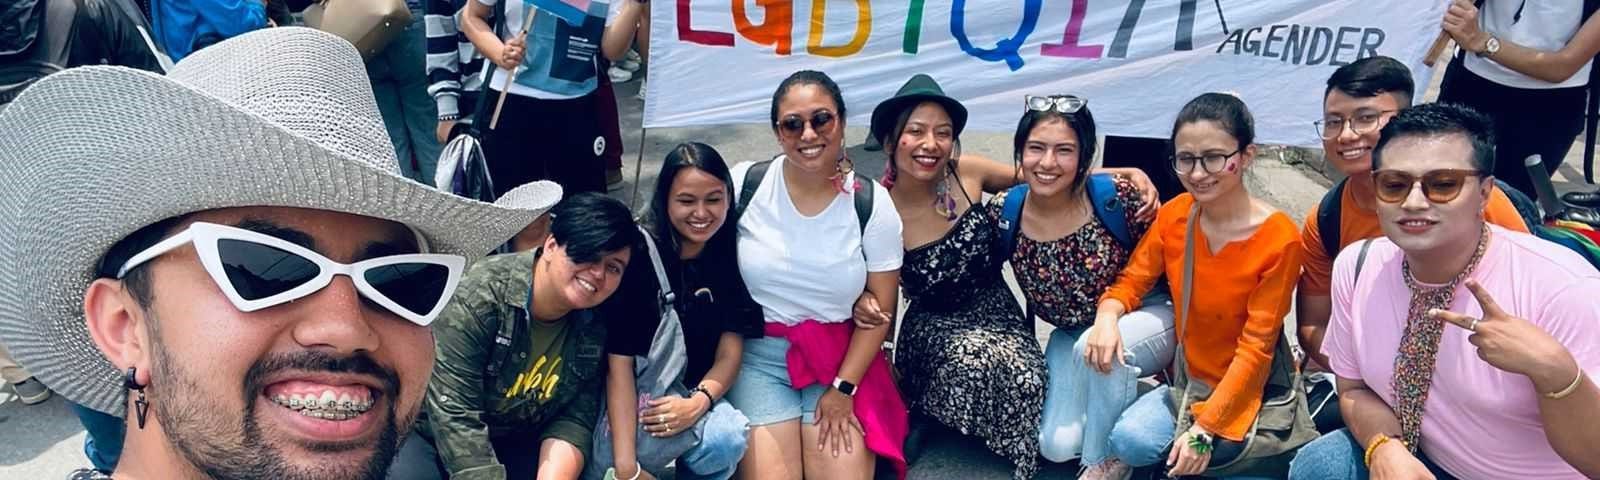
<point>1247,258</point>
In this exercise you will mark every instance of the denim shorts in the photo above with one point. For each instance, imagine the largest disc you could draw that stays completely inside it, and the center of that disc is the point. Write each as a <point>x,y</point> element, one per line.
<point>763,391</point>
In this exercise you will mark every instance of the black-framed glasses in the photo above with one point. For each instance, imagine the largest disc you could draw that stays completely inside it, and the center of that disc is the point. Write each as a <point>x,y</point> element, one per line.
<point>1184,163</point>
<point>1362,122</point>
<point>794,124</point>
<point>1068,104</point>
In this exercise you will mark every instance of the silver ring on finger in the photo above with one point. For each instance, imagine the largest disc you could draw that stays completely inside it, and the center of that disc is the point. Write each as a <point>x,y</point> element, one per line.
<point>661,419</point>
<point>1473,327</point>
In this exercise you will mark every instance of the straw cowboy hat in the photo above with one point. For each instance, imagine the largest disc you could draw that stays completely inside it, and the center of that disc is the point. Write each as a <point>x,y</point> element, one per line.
<point>279,117</point>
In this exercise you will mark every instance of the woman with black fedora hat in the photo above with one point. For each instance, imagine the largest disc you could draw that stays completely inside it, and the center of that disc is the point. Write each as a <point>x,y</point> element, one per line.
<point>967,353</point>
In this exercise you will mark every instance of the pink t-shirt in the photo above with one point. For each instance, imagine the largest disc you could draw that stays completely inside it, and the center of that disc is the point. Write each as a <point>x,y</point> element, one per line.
<point>1479,421</point>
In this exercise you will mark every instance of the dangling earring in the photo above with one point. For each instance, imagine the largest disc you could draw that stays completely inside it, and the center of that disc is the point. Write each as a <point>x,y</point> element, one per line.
<point>141,406</point>
<point>943,203</point>
<point>842,178</point>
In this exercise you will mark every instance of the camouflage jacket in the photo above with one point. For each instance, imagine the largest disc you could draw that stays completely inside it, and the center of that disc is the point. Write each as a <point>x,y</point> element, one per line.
<point>473,397</point>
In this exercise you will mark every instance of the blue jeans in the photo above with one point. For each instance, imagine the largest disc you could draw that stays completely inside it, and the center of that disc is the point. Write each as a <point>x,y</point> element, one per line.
<point>103,443</point>
<point>1081,404</point>
<point>400,85</point>
<point>1146,430</point>
<point>723,438</point>
<point>1337,456</point>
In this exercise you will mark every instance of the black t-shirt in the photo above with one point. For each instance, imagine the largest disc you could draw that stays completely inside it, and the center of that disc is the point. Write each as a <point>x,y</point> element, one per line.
<point>711,299</point>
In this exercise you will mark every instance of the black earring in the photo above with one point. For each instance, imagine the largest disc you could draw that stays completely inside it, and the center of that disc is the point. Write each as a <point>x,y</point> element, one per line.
<point>140,405</point>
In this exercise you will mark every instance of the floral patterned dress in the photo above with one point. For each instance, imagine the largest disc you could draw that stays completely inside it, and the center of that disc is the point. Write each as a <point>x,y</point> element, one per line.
<point>968,357</point>
<point>1064,278</point>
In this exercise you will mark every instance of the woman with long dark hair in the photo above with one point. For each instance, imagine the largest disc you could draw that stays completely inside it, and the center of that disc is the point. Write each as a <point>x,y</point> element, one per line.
<point>1070,230</point>
<point>667,377</point>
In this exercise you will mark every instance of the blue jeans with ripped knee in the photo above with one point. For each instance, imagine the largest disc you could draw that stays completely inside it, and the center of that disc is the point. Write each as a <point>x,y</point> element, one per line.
<point>1081,404</point>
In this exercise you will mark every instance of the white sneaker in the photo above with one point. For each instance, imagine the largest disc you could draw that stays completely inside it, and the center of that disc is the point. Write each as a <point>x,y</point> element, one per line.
<point>618,74</point>
<point>642,84</point>
<point>631,61</point>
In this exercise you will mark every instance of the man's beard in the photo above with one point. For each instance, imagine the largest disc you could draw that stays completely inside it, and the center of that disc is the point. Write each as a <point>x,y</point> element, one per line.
<point>204,432</point>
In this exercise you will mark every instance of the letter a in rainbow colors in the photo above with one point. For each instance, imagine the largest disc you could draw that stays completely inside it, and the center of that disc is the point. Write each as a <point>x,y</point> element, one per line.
<point>570,11</point>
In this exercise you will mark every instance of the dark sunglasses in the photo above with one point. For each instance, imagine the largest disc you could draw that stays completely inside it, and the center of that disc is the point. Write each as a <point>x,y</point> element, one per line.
<point>1440,186</point>
<point>256,271</point>
<point>795,125</point>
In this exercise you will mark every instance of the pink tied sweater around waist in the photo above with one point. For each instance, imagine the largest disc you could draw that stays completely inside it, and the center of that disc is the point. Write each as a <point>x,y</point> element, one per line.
<point>816,351</point>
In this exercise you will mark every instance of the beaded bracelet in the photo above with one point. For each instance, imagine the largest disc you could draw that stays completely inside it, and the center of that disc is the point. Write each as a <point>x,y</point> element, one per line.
<point>1372,446</point>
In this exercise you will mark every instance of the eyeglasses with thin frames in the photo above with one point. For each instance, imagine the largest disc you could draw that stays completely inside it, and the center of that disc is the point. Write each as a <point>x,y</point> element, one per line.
<point>1361,123</point>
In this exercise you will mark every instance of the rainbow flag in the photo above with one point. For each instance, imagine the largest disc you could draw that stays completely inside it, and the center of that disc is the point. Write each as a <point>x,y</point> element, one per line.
<point>570,11</point>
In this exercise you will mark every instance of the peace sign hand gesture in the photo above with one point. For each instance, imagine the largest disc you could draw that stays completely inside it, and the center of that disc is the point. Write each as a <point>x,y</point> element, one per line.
<point>1513,344</point>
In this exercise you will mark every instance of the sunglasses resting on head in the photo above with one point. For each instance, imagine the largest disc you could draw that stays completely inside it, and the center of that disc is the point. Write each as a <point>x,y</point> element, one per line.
<point>257,271</point>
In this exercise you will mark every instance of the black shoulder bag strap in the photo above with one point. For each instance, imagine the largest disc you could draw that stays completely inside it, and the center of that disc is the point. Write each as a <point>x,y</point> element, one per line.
<point>1328,218</point>
<point>1591,111</point>
<point>752,180</point>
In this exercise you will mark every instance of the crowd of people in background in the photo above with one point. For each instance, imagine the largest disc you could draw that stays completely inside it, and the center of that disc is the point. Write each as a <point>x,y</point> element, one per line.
<point>235,285</point>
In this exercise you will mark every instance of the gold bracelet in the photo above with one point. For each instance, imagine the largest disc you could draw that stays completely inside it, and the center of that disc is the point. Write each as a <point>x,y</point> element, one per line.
<point>1567,391</point>
<point>1372,447</point>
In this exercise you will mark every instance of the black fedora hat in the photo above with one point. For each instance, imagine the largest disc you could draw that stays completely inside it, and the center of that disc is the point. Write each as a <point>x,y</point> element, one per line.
<point>920,88</point>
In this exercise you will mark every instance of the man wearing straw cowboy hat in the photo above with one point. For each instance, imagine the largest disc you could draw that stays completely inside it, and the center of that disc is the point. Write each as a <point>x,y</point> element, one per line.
<point>229,257</point>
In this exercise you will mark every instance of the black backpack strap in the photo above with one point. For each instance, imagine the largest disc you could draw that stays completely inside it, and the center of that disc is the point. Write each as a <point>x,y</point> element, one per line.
<point>863,198</point>
<point>1328,218</point>
<point>752,181</point>
<point>1526,208</point>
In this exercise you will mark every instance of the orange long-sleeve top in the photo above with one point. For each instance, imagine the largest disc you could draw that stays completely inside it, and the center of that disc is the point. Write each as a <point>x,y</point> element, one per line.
<point>1236,317</point>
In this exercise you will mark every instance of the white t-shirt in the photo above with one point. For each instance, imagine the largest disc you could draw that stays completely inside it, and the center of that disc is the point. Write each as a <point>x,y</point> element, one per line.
<point>560,57</point>
<point>1544,25</point>
<point>811,268</point>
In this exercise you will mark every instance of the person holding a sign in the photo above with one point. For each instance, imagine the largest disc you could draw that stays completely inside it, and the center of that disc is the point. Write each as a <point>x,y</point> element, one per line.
<point>1462,349</point>
<point>1527,65</point>
<point>813,235</point>
<point>1229,333</point>
<point>545,126</point>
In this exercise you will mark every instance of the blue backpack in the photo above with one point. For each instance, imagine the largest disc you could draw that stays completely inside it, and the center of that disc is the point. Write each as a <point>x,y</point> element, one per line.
<point>1107,207</point>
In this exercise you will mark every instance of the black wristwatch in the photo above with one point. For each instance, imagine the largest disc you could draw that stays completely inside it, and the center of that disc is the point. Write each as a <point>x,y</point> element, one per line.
<point>845,387</point>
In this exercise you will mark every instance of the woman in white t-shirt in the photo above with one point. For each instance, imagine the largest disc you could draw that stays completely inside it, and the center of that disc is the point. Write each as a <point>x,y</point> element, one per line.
<point>549,127</point>
<point>806,256</point>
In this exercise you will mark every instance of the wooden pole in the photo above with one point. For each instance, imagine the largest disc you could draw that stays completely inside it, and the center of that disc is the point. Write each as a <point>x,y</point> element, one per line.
<point>1439,46</point>
<point>505,86</point>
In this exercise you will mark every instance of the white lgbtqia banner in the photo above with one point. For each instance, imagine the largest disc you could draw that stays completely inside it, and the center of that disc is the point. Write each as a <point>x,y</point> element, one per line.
<point>1137,61</point>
